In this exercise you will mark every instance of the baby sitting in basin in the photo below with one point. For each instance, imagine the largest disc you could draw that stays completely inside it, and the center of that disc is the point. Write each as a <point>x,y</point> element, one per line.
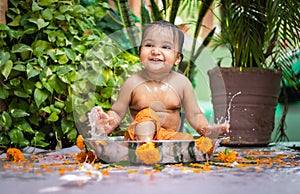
<point>156,94</point>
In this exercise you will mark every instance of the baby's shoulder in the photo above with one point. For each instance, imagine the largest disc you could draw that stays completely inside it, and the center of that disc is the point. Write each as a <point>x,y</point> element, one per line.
<point>179,77</point>
<point>134,80</point>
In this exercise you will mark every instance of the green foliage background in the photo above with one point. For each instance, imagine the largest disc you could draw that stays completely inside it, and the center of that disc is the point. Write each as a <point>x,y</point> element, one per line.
<point>54,63</point>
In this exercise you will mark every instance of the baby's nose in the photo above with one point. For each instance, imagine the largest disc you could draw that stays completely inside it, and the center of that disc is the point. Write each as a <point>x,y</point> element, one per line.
<point>155,50</point>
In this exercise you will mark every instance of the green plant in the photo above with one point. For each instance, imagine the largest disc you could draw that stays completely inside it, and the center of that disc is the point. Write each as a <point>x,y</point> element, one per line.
<point>261,34</point>
<point>258,33</point>
<point>43,48</point>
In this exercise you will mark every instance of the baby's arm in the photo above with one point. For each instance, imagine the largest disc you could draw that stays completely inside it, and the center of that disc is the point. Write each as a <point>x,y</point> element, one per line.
<point>195,116</point>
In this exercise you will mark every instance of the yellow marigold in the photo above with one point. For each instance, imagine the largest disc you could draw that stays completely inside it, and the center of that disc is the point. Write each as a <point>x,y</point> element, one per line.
<point>148,153</point>
<point>80,142</point>
<point>227,156</point>
<point>14,154</point>
<point>204,144</point>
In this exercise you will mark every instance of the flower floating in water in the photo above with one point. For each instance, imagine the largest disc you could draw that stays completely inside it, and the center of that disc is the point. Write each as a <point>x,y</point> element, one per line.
<point>227,155</point>
<point>148,153</point>
<point>14,154</point>
<point>80,142</point>
<point>204,144</point>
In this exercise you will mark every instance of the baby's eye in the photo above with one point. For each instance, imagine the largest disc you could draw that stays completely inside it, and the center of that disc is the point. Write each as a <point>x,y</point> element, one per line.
<point>148,45</point>
<point>166,47</point>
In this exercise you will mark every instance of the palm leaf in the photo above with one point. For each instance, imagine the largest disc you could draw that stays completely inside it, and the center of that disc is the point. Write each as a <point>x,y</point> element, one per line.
<point>174,10</point>
<point>129,24</point>
<point>157,15</point>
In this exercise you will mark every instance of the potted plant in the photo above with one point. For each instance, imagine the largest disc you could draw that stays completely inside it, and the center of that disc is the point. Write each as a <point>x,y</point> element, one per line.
<point>257,33</point>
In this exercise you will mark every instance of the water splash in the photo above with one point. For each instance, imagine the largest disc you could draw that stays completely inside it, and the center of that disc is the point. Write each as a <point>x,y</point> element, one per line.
<point>99,133</point>
<point>227,120</point>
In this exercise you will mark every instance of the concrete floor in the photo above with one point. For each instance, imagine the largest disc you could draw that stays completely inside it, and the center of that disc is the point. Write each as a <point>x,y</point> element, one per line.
<point>282,177</point>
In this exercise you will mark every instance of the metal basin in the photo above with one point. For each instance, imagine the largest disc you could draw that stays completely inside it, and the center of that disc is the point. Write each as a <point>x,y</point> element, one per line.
<point>115,149</point>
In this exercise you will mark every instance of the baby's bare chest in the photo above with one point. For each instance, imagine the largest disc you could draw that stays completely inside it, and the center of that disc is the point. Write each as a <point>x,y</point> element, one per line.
<point>157,95</point>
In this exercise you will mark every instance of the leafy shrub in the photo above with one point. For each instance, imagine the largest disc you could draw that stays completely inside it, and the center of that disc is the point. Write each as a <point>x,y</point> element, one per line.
<point>50,51</point>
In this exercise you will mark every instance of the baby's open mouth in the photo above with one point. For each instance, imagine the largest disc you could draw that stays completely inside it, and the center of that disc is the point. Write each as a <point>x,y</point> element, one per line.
<point>155,59</point>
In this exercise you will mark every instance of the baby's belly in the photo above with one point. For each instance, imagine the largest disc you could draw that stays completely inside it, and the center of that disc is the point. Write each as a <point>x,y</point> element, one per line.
<point>170,119</point>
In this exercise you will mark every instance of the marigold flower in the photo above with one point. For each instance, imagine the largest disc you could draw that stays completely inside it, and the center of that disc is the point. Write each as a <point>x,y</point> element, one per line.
<point>80,142</point>
<point>227,156</point>
<point>88,157</point>
<point>204,144</point>
<point>14,154</point>
<point>148,153</point>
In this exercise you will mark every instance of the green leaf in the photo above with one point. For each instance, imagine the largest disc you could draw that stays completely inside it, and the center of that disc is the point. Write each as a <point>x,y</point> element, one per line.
<point>40,96</point>
<point>70,53</point>
<point>6,69</point>
<point>4,56</point>
<point>37,141</point>
<point>15,82</point>
<point>28,86</point>
<point>66,126</point>
<point>16,21</point>
<point>64,8</point>
<point>63,59</point>
<point>19,67</point>
<point>4,27</point>
<point>46,2</point>
<point>6,120</point>
<point>59,104</point>
<point>47,14</point>
<point>18,113</point>
<point>46,109</point>
<point>53,117</point>
<point>57,84</point>
<point>39,47</point>
<point>35,6</point>
<point>17,137</point>
<point>23,125</point>
<point>20,92</point>
<point>54,109</point>
<point>30,30</point>
<point>72,134</point>
<point>3,93</point>
<point>31,72</point>
<point>41,23</point>
<point>18,48</point>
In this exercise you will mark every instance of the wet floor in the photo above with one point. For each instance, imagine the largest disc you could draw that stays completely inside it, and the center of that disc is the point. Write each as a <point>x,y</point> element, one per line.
<point>275,169</point>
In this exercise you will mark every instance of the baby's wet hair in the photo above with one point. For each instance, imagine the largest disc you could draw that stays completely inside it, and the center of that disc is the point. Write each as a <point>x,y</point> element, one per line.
<point>177,32</point>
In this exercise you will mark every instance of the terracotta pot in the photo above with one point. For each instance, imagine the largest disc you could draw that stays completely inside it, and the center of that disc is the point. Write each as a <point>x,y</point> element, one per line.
<point>248,98</point>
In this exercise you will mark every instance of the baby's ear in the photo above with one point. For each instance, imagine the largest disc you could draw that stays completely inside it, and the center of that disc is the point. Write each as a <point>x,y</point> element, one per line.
<point>179,58</point>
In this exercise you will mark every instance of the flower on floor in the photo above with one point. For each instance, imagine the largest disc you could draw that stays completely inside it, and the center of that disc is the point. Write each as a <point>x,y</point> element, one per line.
<point>204,144</point>
<point>148,153</point>
<point>227,155</point>
<point>89,157</point>
<point>14,154</point>
<point>80,142</point>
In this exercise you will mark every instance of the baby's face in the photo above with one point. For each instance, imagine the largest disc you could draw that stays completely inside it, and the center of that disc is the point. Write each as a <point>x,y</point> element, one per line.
<point>159,50</point>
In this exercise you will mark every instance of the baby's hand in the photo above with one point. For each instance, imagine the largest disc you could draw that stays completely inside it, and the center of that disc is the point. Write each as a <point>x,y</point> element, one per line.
<point>213,131</point>
<point>104,121</point>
